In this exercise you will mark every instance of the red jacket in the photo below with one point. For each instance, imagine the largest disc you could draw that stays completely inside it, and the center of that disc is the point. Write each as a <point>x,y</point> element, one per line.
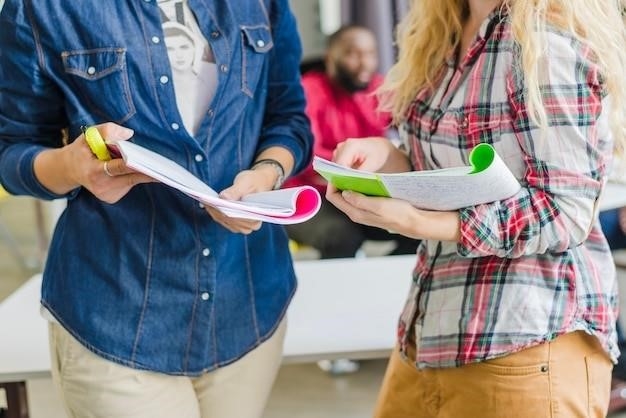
<point>335,116</point>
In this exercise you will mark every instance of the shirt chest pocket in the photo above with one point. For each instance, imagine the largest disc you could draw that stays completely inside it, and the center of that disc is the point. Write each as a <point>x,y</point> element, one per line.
<point>100,78</point>
<point>480,124</point>
<point>256,42</point>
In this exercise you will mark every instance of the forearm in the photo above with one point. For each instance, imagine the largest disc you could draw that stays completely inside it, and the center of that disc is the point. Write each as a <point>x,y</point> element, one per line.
<point>286,129</point>
<point>51,170</point>
<point>279,154</point>
<point>532,222</point>
<point>431,225</point>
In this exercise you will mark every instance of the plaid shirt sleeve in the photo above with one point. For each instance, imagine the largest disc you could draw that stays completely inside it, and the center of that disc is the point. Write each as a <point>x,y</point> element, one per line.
<point>565,163</point>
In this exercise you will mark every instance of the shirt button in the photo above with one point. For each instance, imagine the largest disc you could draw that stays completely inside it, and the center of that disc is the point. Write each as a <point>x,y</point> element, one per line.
<point>155,40</point>
<point>198,158</point>
<point>201,205</point>
<point>260,43</point>
<point>164,79</point>
<point>464,123</point>
<point>205,296</point>
<point>224,68</point>
<point>210,112</point>
<point>206,252</point>
<point>175,126</point>
<point>215,34</point>
<point>91,70</point>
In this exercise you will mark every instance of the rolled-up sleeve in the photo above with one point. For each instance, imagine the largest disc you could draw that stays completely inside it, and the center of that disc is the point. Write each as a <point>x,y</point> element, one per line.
<point>31,106</point>
<point>285,124</point>
<point>566,163</point>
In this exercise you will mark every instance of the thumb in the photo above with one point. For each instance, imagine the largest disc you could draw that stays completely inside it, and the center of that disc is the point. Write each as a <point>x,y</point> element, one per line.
<point>244,184</point>
<point>114,132</point>
<point>232,193</point>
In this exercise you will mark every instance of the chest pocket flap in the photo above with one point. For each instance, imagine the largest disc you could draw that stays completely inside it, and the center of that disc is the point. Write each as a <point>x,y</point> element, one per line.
<point>258,38</point>
<point>94,64</point>
<point>100,78</point>
<point>256,42</point>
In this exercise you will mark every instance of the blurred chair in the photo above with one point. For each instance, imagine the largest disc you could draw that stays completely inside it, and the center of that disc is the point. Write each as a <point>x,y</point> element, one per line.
<point>312,64</point>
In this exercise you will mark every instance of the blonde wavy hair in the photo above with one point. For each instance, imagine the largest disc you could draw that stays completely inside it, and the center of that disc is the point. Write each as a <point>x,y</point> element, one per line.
<point>433,28</point>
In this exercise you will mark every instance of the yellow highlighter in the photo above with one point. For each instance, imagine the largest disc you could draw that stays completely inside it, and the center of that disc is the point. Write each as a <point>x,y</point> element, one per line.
<point>96,143</point>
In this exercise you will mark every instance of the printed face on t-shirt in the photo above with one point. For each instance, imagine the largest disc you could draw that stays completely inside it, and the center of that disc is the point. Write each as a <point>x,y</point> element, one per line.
<point>181,51</point>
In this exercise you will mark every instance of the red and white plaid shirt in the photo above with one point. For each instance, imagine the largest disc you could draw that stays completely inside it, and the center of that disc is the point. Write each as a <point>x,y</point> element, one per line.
<point>533,266</point>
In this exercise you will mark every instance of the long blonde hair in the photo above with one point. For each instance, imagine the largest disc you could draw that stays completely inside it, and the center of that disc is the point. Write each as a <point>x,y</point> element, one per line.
<point>432,29</point>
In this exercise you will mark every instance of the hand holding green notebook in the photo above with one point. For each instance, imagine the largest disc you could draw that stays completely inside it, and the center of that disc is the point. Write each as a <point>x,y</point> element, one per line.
<point>486,179</point>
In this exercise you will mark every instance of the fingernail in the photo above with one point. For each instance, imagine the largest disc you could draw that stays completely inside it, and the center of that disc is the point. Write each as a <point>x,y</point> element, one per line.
<point>347,194</point>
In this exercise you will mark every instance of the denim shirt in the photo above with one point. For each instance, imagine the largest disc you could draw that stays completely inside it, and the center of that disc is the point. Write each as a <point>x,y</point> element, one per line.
<point>152,282</point>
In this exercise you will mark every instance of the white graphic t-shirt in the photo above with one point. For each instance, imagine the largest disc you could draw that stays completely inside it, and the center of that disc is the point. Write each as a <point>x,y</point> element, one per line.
<point>191,58</point>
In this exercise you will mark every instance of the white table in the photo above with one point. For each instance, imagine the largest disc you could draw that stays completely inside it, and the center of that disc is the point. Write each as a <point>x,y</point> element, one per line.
<point>342,308</point>
<point>346,308</point>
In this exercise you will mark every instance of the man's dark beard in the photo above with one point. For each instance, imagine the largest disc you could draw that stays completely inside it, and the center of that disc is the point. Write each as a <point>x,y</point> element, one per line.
<point>347,81</point>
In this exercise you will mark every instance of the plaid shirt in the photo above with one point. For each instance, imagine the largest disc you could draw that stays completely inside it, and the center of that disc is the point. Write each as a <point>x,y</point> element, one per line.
<point>533,266</point>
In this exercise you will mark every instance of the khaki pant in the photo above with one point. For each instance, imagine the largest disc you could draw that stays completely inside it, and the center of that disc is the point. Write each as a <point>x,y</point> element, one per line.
<point>92,387</point>
<point>569,377</point>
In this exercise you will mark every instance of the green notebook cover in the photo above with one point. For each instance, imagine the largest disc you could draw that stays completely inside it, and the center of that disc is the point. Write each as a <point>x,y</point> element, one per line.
<point>368,186</point>
<point>480,158</point>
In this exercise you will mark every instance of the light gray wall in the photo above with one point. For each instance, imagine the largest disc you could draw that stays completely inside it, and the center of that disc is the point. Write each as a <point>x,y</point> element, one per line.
<point>308,16</point>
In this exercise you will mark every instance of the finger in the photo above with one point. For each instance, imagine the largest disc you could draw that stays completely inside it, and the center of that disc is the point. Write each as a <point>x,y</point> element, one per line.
<point>330,189</point>
<point>105,168</point>
<point>338,201</point>
<point>337,150</point>
<point>236,225</point>
<point>243,185</point>
<point>232,193</point>
<point>355,199</point>
<point>333,195</point>
<point>133,179</point>
<point>113,132</point>
<point>117,167</point>
<point>367,203</point>
<point>219,217</point>
<point>245,224</point>
<point>236,228</point>
<point>347,154</point>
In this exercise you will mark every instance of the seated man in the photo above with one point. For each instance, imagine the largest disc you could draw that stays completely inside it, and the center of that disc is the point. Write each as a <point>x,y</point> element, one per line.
<point>341,104</point>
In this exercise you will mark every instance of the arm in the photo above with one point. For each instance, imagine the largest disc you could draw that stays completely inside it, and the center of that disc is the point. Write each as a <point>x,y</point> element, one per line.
<point>566,164</point>
<point>285,135</point>
<point>285,125</point>
<point>32,116</point>
<point>33,158</point>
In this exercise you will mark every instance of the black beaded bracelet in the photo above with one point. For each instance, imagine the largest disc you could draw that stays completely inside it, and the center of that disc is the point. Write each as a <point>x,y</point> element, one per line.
<point>280,170</point>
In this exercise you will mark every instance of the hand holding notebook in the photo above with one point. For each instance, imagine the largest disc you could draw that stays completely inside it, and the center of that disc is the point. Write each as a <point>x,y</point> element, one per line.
<point>486,179</point>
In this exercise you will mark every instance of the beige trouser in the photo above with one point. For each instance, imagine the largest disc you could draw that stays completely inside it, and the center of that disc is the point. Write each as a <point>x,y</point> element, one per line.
<point>569,377</point>
<point>92,387</point>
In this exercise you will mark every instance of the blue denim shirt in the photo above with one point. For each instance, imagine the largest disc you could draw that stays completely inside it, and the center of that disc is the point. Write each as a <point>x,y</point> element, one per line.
<point>152,281</point>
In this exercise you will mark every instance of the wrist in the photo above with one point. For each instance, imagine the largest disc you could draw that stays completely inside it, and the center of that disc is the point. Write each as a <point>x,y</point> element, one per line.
<point>52,169</point>
<point>274,170</point>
